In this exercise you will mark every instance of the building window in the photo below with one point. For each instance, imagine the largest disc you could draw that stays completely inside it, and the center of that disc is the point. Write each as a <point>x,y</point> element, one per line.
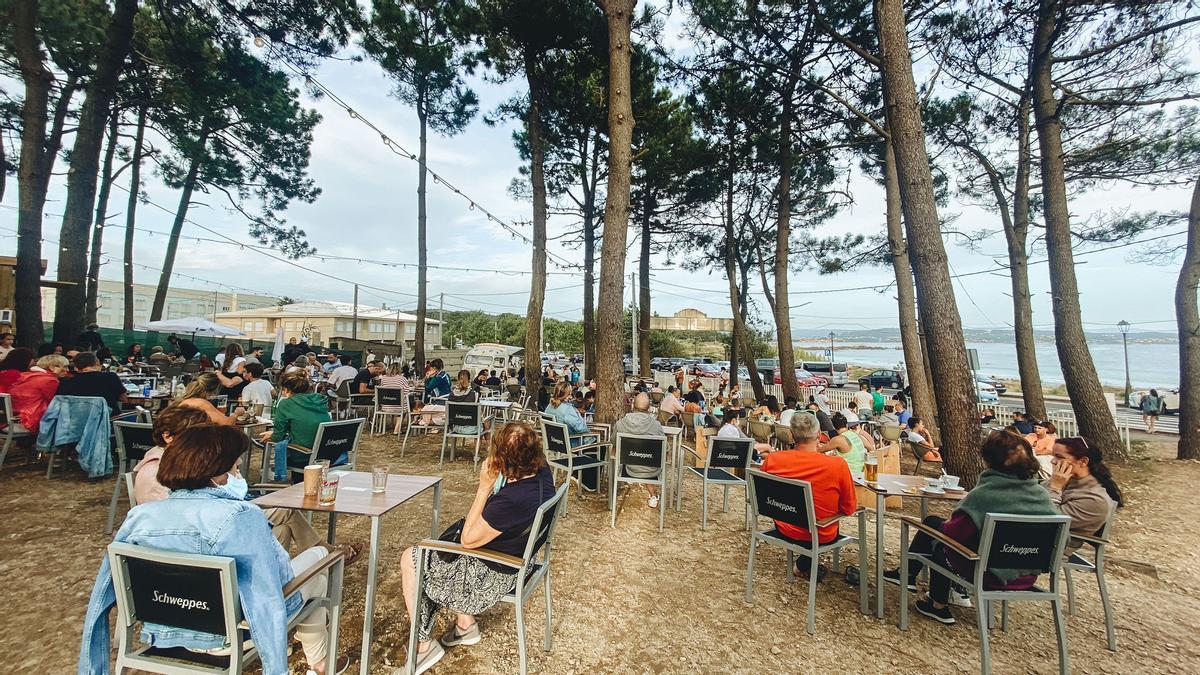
<point>258,326</point>
<point>410,329</point>
<point>344,325</point>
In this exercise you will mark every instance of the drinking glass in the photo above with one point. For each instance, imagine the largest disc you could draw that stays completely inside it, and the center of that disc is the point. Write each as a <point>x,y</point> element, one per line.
<point>329,486</point>
<point>379,477</point>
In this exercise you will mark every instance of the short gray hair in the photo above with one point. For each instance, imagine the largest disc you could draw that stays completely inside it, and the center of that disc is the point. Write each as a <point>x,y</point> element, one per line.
<point>805,426</point>
<point>641,402</point>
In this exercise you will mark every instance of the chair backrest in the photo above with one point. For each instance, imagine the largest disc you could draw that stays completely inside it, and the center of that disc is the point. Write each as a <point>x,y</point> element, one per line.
<point>9,418</point>
<point>129,477</point>
<point>335,438</point>
<point>179,590</point>
<point>556,439</point>
<point>385,396</point>
<point>730,453</point>
<point>889,432</point>
<point>656,397</point>
<point>220,403</point>
<point>1035,543</point>
<point>637,450</point>
<point>787,500</point>
<point>343,390</point>
<point>134,440</point>
<point>761,430</point>
<point>545,522</point>
<point>462,414</point>
<point>1102,533</point>
<point>783,434</point>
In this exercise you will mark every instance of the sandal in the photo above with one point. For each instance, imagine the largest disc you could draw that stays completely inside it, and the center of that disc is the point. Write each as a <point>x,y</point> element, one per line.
<point>352,551</point>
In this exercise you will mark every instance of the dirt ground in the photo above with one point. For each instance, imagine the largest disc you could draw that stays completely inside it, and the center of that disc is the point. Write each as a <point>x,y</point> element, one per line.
<point>631,599</point>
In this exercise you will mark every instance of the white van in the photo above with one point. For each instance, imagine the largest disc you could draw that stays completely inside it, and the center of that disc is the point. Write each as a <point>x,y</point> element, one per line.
<point>491,356</point>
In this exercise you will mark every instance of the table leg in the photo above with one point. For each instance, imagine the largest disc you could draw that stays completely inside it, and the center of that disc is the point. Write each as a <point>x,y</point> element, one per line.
<point>437,509</point>
<point>369,610</point>
<point>880,509</point>
<point>331,534</point>
<point>678,471</point>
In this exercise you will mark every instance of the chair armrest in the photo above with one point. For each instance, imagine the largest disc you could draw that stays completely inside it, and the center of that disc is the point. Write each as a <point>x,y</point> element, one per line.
<point>481,553</point>
<point>299,448</point>
<point>937,535</point>
<point>838,516</point>
<point>270,486</point>
<point>1090,540</point>
<point>303,578</point>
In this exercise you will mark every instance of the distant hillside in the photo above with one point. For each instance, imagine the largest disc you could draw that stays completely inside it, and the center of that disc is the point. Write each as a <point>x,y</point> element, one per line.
<point>892,335</point>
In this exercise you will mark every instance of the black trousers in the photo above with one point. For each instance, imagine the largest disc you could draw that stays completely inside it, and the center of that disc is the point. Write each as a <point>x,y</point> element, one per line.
<point>939,586</point>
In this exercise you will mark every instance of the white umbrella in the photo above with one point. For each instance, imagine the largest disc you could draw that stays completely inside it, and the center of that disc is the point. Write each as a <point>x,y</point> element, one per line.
<point>277,352</point>
<point>190,324</point>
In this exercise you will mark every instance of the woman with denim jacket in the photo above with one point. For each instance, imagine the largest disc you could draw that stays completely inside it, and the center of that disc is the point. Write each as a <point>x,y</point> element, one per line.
<point>207,513</point>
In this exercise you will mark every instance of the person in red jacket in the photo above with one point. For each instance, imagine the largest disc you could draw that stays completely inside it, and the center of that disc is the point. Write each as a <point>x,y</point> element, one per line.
<point>14,364</point>
<point>32,391</point>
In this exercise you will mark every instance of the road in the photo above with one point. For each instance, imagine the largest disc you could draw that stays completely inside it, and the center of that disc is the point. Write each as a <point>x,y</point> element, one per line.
<point>1166,423</point>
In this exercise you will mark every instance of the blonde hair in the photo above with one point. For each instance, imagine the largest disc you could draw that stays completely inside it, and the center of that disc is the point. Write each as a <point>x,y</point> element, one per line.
<point>202,386</point>
<point>52,361</point>
<point>562,392</point>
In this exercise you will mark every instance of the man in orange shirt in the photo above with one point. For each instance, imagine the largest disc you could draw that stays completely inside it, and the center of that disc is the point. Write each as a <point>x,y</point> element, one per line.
<point>832,486</point>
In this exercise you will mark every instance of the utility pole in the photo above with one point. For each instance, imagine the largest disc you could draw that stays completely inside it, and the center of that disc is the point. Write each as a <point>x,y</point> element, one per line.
<point>354,326</point>
<point>441,318</point>
<point>633,354</point>
<point>398,329</point>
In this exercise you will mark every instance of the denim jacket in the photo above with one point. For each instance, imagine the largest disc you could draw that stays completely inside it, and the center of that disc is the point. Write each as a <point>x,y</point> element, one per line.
<point>82,420</point>
<point>204,522</point>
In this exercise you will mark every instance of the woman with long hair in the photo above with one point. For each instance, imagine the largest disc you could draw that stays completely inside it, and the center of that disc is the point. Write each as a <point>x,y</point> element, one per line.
<point>230,370</point>
<point>1151,405</point>
<point>203,387</point>
<point>562,408</point>
<point>1082,487</point>
<point>17,361</point>
<point>514,480</point>
<point>134,354</point>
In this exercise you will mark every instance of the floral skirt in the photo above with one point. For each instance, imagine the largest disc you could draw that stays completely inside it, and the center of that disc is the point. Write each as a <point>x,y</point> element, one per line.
<point>462,584</point>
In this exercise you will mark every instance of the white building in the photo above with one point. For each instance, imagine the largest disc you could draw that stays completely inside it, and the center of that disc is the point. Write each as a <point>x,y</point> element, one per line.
<point>317,322</point>
<point>181,302</point>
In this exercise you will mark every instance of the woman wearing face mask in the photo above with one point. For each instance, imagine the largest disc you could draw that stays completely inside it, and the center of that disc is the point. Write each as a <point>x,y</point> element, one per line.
<point>207,513</point>
<point>1082,487</point>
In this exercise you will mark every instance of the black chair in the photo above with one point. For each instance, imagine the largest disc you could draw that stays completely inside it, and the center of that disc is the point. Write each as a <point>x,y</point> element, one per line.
<point>724,455</point>
<point>1006,541</point>
<point>134,440</point>
<point>556,442</point>
<point>789,501</point>
<point>390,398</point>
<point>530,569</point>
<point>463,414</point>
<point>141,576</point>
<point>1078,563</point>
<point>332,439</point>
<point>645,451</point>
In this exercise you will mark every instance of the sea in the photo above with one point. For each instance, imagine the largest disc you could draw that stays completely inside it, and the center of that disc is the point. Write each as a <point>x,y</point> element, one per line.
<point>1150,364</point>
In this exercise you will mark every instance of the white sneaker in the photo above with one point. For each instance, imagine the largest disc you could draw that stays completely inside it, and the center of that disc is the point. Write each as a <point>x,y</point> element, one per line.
<point>653,501</point>
<point>959,599</point>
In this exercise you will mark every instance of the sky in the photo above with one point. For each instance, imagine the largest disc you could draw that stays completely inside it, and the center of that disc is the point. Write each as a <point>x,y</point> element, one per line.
<point>367,210</point>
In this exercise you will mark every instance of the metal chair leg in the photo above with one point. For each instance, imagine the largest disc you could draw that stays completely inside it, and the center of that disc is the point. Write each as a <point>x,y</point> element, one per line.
<point>4,453</point>
<point>1108,611</point>
<point>704,510</point>
<point>521,633</point>
<point>1060,630</point>
<point>791,565</point>
<point>1070,591</point>
<point>814,561</point>
<point>549,611</point>
<point>1004,615</point>
<point>112,506</point>
<point>903,574</point>
<point>750,569</point>
<point>662,505</point>
<point>442,454</point>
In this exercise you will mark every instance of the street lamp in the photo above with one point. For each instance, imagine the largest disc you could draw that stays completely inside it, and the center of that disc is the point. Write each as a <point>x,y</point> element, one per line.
<point>1123,326</point>
<point>831,336</point>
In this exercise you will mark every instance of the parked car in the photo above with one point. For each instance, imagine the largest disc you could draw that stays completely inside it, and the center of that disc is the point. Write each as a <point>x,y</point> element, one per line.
<point>1170,400</point>
<point>986,393</point>
<point>885,377</point>
<point>708,370</point>
<point>805,379</point>
<point>994,382</point>
<point>577,358</point>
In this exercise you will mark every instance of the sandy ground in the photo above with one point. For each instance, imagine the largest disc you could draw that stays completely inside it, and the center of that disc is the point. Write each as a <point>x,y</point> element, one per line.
<point>631,599</point>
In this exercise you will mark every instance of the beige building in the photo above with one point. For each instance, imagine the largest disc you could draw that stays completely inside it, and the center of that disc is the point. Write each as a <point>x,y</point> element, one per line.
<point>181,302</point>
<point>691,320</point>
<point>318,322</point>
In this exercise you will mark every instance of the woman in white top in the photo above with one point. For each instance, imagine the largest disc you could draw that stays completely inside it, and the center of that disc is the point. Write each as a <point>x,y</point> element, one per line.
<point>397,377</point>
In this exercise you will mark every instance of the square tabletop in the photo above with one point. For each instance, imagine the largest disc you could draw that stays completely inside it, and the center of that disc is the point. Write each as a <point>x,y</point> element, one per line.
<point>672,431</point>
<point>354,496</point>
<point>491,403</point>
<point>899,485</point>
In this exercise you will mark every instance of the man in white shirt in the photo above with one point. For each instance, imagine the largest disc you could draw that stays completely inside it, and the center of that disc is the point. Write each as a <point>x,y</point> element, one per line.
<point>346,371</point>
<point>671,403</point>
<point>789,409</point>
<point>850,412</point>
<point>822,400</point>
<point>331,363</point>
<point>864,400</point>
<point>257,390</point>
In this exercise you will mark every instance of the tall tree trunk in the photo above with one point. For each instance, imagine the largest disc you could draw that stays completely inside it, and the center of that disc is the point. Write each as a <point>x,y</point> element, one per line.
<point>537,283</point>
<point>85,163</point>
<point>610,379</point>
<point>33,172</point>
<point>589,182</point>
<point>644,292</point>
<point>737,298</point>
<point>955,393</point>
<point>1189,337</point>
<point>762,275</point>
<point>185,201</point>
<point>106,179</point>
<point>422,245</point>
<point>135,189</point>
<point>923,401</point>
<point>1018,261</point>
<point>1079,371</point>
<point>783,242</point>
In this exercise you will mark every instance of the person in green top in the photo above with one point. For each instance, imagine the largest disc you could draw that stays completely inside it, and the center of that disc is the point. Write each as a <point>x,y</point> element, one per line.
<point>298,415</point>
<point>847,444</point>
<point>877,400</point>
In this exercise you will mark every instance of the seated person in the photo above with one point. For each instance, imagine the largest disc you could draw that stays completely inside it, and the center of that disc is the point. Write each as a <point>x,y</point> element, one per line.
<point>695,393</point>
<point>257,390</point>
<point>33,390</point>
<point>158,357</point>
<point>889,418</point>
<point>514,481</point>
<point>987,416</point>
<point>464,392</point>
<point>1043,438</point>
<point>203,387</point>
<point>640,422</point>
<point>832,485</point>
<point>300,412</point>
<point>1022,422</point>
<point>207,513</point>
<point>492,380</point>
<point>846,443</point>
<point>563,412</point>
<point>790,405</point>
<point>850,412</point>
<point>824,420</point>
<point>364,381</point>
<point>17,361</point>
<point>428,414</point>
<point>91,379</point>
<point>1008,485</point>
<point>919,435</point>
<point>671,404</point>
<point>1081,487</point>
<point>902,414</point>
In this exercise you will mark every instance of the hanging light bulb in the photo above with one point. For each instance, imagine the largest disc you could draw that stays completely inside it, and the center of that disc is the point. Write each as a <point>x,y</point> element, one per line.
<point>472,206</point>
<point>258,41</point>
<point>353,114</point>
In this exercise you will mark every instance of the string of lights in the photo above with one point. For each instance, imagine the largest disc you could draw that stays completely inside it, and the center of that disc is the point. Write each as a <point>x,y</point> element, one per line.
<point>396,148</point>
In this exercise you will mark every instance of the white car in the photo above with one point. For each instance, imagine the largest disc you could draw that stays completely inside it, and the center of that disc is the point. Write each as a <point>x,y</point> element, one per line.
<point>1170,400</point>
<point>986,393</point>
